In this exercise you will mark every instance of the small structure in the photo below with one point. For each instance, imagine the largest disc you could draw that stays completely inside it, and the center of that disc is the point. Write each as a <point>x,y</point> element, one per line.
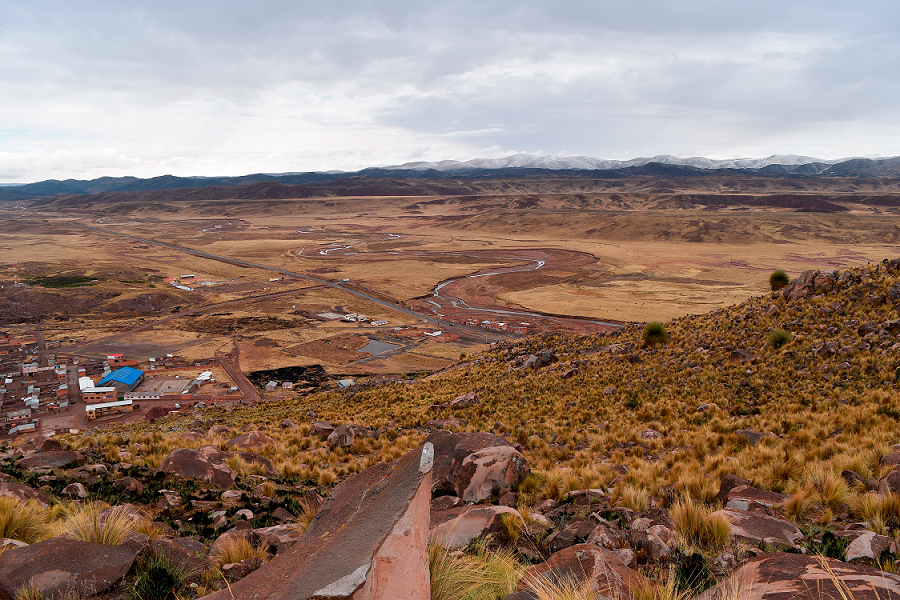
<point>271,386</point>
<point>345,383</point>
<point>94,395</point>
<point>99,410</point>
<point>124,379</point>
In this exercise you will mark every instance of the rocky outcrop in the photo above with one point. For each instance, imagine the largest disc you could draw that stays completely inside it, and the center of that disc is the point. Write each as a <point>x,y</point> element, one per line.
<point>866,548</point>
<point>207,462</point>
<point>461,401</point>
<point>61,567</point>
<point>369,540</point>
<point>490,471</point>
<point>751,499</point>
<point>345,435</point>
<point>781,576</point>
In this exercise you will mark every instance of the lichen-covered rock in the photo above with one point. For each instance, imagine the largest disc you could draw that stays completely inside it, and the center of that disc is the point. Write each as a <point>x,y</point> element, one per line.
<point>207,462</point>
<point>489,471</point>
<point>451,449</point>
<point>457,527</point>
<point>24,492</point>
<point>753,528</point>
<point>252,440</point>
<point>56,459</point>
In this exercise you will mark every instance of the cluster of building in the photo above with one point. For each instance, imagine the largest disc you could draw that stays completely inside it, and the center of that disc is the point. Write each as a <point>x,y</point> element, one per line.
<point>438,334</point>
<point>520,328</point>
<point>28,390</point>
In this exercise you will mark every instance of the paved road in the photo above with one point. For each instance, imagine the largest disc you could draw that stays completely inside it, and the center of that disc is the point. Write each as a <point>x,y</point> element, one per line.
<point>469,332</point>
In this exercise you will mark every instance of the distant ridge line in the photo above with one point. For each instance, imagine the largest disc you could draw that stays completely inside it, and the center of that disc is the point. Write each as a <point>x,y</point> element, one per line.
<point>517,165</point>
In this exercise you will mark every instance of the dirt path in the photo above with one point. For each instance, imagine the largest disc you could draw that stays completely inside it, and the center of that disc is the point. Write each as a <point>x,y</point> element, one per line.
<point>231,364</point>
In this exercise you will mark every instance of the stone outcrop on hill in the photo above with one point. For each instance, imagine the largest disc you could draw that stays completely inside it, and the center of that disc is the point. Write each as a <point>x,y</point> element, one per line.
<point>452,449</point>
<point>369,540</point>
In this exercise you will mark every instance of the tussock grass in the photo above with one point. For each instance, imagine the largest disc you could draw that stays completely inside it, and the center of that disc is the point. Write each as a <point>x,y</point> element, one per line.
<point>28,591</point>
<point>481,575</point>
<point>85,523</point>
<point>238,549</point>
<point>24,521</point>
<point>697,526</point>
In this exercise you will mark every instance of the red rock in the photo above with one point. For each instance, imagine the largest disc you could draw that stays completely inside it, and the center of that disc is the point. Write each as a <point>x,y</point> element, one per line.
<point>321,428</point>
<point>218,429</point>
<point>207,462</point>
<point>443,423</point>
<point>743,497</point>
<point>753,528</point>
<point>866,548</point>
<point>345,435</point>
<point>24,492</point>
<point>57,459</point>
<point>369,540</point>
<point>62,567</point>
<point>40,444</point>
<point>490,470</point>
<point>461,401</point>
<point>251,440</point>
<point>603,569</point>
<point>457,527</point>
<point>451,449</point>
<point>781,576</point>
<point>129,484</point>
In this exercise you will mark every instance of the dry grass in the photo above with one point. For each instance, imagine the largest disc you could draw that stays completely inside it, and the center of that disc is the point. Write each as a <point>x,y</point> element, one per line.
<point>481,575</point>
<point>85,523</point>
<point>697,527</point>
<point>238,549</point>
<point>24,521</point>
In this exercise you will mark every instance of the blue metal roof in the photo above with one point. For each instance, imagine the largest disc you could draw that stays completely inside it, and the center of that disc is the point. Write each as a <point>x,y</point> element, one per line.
<point>126,375</point>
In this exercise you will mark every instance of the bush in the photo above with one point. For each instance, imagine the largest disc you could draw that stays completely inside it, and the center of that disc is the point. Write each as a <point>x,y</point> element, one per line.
<point>23,521</point>
<point>697,526</point>
<point>655,333</point>
<point>778,338</point>
<point>778,279</point>
<point>159,577</point>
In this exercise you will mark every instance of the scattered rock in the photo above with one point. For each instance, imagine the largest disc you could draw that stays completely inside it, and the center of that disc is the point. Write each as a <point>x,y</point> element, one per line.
<point>753,437</point>
<point>461,401</point>
<point>218,430</point>
<point>451,449</point>
<point>744,497</point>
<point>24,492</point>
<point>571,534</point>
<point>345,435</point>
<point>442,503</point>
<point>321,429</point>
<point>288,424</point>
<point>75,490</point>
<point>651,434</point>
<point>169,499</point>
<point>260,461</point>
<point>866,548</point>
<point>443,424</point>
<point>129,484</point>
<point>729,482</point>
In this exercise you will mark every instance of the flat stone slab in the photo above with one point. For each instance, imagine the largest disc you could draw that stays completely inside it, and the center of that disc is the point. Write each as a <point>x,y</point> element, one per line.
<point>57,459</point>
<point>782,576</point>
<point>753,528</point>
<point>61,567</point>
<point>457,527</point>
<point>23,493</point>
<point>368,540</point>
<point>749,495</point>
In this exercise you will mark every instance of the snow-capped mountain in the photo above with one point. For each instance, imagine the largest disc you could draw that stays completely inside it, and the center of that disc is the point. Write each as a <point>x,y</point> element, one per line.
<point>586,162</point>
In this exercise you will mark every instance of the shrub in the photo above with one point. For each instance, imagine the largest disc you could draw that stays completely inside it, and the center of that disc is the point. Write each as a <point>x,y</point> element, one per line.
<point>484,575</point>
<point>778,338</point>
<point>238,549</point>
<point>159,577</point>
<point>512,526</point>
<point>85,523</point>
<point>778,279</point>
<point>655,333</point>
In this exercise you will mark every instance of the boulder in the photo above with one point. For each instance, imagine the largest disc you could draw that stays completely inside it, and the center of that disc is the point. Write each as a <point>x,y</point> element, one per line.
<point>801,287</point>
<point>457,527</point>
<point>890,483</point>
<point>252,440</point>
<point>451,449</point>
<point>753,437</point>
<point>571,534</point>
<point>40,444</point>
<point>169,499</point>
<point>489,471</point>
<point>279,537</point>
<point>75,490</point>
<point>369,540</point>
<point>729,482</point>
<point>753,528</point>
<point>443,423</point>
<point>24,492</point>
<point>288,424</point>
<point>62,567</point>
<point>601,569</point>
<point>890,460</point>
<point>218,430</point>
<point>461,401</point>
<point>648,545</point>
<point>748,498</point>
<point>207,462</point>
<point>346,434</point>
<point>262,462</point>
<point>651,434</point>
<point>866,548</point>
<point>129,484</point>
<point>442,503</point>
<point>56,459</point>
<point>321,429</point>
<point>779,576</point>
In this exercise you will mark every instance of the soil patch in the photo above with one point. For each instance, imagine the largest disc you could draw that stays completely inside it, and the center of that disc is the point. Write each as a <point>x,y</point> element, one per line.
<point>313,375</point>
<point>342,348</point>
<point>231,325</point>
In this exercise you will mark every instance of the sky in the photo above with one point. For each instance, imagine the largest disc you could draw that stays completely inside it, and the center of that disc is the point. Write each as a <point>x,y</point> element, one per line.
<point>200,87</point>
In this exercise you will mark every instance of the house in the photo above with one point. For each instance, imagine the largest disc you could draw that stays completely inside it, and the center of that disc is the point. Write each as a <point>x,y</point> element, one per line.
<point>271,386</point>
<point>94,395</point>
<point>345,383</point>
<point>106,408</point>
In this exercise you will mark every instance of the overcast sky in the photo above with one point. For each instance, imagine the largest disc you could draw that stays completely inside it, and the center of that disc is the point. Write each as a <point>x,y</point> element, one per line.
<point>202,87</point>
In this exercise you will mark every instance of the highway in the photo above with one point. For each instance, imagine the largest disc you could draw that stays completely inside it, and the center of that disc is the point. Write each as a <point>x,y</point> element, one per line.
<point>470,332</point>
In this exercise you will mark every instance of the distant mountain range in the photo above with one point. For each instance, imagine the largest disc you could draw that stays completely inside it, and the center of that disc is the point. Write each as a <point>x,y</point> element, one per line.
<point>518,165</point>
